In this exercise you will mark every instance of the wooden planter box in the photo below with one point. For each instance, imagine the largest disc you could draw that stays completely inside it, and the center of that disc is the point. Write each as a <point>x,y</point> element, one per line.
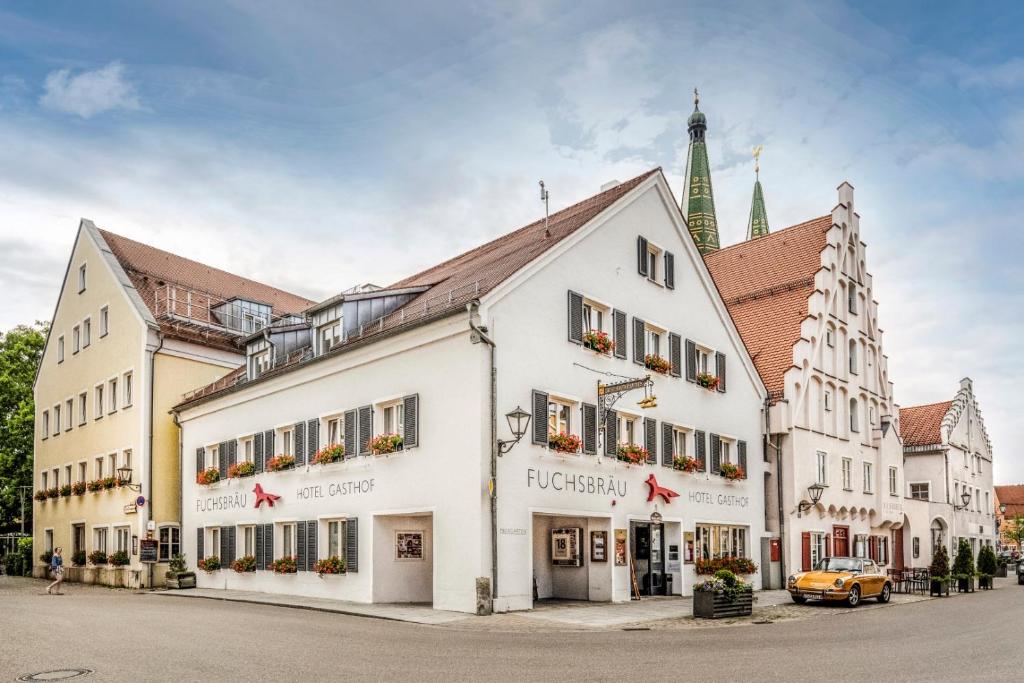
<point>1001,571</point>
<point>965,585</point>
<point>985,583</point>
<point>708,605</point>
<point>182,580</point>
<point>939,588</point>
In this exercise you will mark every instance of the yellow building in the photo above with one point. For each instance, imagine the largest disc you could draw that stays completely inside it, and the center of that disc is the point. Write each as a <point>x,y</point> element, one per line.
<point>134,329</point>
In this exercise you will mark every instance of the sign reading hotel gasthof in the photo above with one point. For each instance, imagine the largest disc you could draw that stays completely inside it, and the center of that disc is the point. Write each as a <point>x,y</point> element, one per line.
<point>260,497</point>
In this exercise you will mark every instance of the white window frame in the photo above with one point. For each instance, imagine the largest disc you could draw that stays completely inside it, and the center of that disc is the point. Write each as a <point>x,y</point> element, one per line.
<point>126,458</point>
<point>287,550</point>
<point>560,413</point>
<point>211,456</point>
<point>334,429</point>
<point>56,420</point>
<point>846,469</point>
<point>48,539</point>
<point>44,480</point>
<point>104,321</point>
<point>821,467</point>
<point>392,417</point>
<point>288,441</point>
<point>704,359</point>
<point>83,408</point>
<point>46,424</point>
<point>101,538</point>
<point>654,336</point>
<point>112,394</point>
<point>248,539</point>
<point>76,339</point>
<point>60,349</point>
<point>818,549</point>
<point>99,408</point>
<point>869,475</point>
<point>894,481</point>
<point>82,278</point>
<point>171,544</point>
<point>329,335</point>
<point>247,449</point>
<point>680,442</point>
<point>261,361</point>
<point>86,333</point>
<point>335,533</point>
<point>123,533</point>
<point>594,309</point>
<point>83,470</point>
<point>927,490</point>
<point>628,422</point>
<point>129,390</point>
<point>213,541</point>
<point>69,413</point>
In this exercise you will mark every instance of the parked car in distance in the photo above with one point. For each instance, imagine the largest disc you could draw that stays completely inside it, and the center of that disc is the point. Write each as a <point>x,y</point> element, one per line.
<point>847,579</point>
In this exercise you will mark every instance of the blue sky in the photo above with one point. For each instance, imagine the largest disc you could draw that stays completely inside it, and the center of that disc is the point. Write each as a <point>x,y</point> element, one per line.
<point>316,146</point>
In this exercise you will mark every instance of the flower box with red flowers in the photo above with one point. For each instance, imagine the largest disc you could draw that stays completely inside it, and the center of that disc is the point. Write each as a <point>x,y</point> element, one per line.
<point>329,565</point>
<point>209,564</point>
<point>65,490</point>
<point>53,493</point>
<point>241,469</point>
<point>118,559</point>
<point>329,454</point>
<point>97,557</point>
<point>210,475</point>
<point>732,472</point>
<point>40,495</point>
<point>109,482</point>
<point>685,463</point>
<point>598,341</point>
<point>94,485</point>
<point>737,565</point>
<point>656,363</point>
<point>280,462</point>
<point>385,443</point>
<point>78,488</point>
<point>632,454</point>
<point>244,564</point>
<point>284,565</point>
<point>565,443</point>
<point>707,380</point>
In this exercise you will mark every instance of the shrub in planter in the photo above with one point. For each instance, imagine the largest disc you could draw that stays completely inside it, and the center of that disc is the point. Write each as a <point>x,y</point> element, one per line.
<point>177,575</point>
<point>330,565</point>
<point>565,443</point>
<point>632,453</point>
<point>53,493</point>
<point>385,443</point>
<point>707,380</point>
<point>78,558</point>
<point>46,557</point>
<point>986,566</point>
<point>598,341</point>
<point>656,363</point>
<point>109,482</point>
<point>685,463</point>
<point>241,469</point>
<point>938,572</point>
<point>65,490</point>
<point>246,563</point>
<point>280,462</point>
<point>209,564</point>
<point>94,485</point>
<point>328,454</point>
<point>284,565</point>
<point>118,559</point>
<point>78,488</point>
<point>724,595</point>
<point>97,557</point>
<point>963,567</point>
<point>40,495</point>
<point>210,475</point>
<point>736,565</point>
<point>732,472</point>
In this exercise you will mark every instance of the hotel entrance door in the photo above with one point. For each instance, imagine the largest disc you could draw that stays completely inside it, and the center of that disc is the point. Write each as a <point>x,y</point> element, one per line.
<point>648,541</point>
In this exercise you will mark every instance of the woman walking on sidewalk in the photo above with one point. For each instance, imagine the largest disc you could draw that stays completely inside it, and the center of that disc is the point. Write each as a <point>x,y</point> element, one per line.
<point>57,567</point>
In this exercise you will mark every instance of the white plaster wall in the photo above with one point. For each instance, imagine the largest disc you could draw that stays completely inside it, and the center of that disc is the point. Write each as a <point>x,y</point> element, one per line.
<point>397,580</point>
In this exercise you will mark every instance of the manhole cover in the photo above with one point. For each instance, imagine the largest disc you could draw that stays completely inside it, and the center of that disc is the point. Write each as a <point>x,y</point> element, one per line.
<point>58,675</point>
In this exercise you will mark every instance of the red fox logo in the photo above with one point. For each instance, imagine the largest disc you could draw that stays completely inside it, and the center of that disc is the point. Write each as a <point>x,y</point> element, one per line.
<point>268,498</point>
<point>657,490</point>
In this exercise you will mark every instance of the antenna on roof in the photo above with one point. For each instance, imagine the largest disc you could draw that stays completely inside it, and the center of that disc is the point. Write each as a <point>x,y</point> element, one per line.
<point>544,194</point>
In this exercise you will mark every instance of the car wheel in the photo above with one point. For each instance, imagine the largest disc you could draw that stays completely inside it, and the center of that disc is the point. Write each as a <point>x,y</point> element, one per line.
<point>886,593</point>
<point>853,599</point>
<point>798,599</point>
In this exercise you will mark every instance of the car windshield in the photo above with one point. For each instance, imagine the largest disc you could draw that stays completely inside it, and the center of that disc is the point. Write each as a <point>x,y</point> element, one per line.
<point>840,564</point>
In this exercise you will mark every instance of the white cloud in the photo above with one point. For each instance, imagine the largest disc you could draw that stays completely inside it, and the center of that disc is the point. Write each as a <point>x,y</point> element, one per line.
<point>90,92</point>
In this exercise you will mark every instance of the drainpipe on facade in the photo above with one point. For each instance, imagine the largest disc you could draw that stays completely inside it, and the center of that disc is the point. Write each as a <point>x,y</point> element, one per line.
<point>481,332</point>
<point>149,448</point>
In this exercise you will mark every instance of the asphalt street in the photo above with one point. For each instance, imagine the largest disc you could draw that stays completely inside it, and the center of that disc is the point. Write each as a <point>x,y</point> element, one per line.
<point>123,636</point>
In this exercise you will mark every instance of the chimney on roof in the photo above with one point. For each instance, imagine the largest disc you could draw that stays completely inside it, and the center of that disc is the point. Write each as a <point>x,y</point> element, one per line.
<point>544,195</point>
<point>609,185</point>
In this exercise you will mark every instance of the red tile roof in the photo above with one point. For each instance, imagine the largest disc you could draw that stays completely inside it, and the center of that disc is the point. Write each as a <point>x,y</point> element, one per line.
<point>921,425</point>
<point>1012,497</point>
<point>765,283</point>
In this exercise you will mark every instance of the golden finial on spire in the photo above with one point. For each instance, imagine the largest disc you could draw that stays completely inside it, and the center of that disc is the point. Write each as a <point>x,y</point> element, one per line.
<point>757,160</point>
<point>696,99</point>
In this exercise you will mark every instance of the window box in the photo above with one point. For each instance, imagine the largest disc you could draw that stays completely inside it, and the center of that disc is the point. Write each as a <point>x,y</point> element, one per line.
<point>598,341</point>
<point>109,482</point>
<point>565,443</point>
<point>53,493</point>
<point>284,565</point>
<point>656,363</point>
<point>210,475</point>
<point>65,490</point>
<point>330,565</point>
<point>241,469</point>
<point>385,443</point>
<point>685,463</point>
<point>329,454</point>
<point>732,472</point>
<point>40,496</point>
<point>707,380</point>
<point>632,454</point>
<point>280,462</point>
<point>209,564</point>
<point>94,485</point>
<point>97,557</point>
<point>244,564</point>
<point>118,559</point>
<point>78,558</point>
<point>78,488</point>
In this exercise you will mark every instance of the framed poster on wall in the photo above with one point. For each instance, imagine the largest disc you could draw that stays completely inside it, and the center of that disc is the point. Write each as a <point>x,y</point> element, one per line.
<point>598,546</point>
<point>620,548</point>
<point>688,547</point>
<point>408,545</point>
<point>566,546</point>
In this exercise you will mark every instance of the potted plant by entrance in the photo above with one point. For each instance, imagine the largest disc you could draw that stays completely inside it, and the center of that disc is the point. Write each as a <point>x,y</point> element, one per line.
<point>724,595</point>
<point>177,575</point>
<point>986,566</point>
<point>963,567</point>
<point>938,573</point>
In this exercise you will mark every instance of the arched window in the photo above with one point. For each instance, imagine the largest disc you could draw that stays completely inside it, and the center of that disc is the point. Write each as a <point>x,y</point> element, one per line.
<point>854,422</point>
<point>853,356</point>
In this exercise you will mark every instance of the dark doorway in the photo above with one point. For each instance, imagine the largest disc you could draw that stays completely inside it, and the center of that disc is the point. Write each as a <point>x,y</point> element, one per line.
<point>648,554</point>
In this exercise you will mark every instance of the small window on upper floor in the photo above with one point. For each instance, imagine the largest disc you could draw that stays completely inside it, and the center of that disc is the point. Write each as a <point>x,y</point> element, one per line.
<point>919,491</point>
<point>828,400</point>
<point>261,362</point>
<point>46,423</point>
<point>83,408</point>
<point>854,419</point>
<point>335,430</point>
<point>76,339</point>
<point>653,259</point>
<point>853,356</point>
<point>98,406</point>
<point>597,320</point>
<point>86,332</point>
<point>129,390</point>
<point>69,412</point>
<point>104,321</point>
<point>627,429</point>
<point>288,441</point>
<point>329,335</point>
<point>56,420</point>
<point>60,349</point>
<point>113,395</point>
<point>830,337</point>
<point>851,297</point>
<point>81,278</point>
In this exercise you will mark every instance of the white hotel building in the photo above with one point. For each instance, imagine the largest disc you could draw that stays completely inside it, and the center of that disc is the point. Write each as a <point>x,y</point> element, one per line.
<point>440,359</point>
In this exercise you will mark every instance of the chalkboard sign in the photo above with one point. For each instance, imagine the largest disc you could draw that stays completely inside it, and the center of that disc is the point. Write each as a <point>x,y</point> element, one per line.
<point>147,550</point>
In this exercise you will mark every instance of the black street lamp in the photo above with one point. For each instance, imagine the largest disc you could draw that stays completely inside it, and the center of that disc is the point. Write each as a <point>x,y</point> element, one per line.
<point>965,497</point>
<point>124,474</point>
<point>814,491</point>
<point>518,423</point>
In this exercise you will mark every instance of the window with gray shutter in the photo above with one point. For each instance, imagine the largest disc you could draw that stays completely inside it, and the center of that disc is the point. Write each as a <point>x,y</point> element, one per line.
<point>312,438</point>
<point>222,459</point>
<point>232,452</point>
<point>224,546</point>
<point>299,441</point>
<point>641,256</point>
<point>619,333</point>
<point>675,355</point>
<point>311,551</point>
<point>232,540</point>
<point>365,429</point>
<point>540,418</point>
<point>716,454</point>
<point>350,434</point>
<point>741,455</point>
<point>300,546</point>
<point>257,451</point>
<point>691,361</point>
<point>638,341</point>
<point>670,270</point>
<point>411,431</point>
<point>720,370</point>
<point>260,556</point>
<point>352,544</point>
<point>200,460</point>
<point>611,433</point>
<point>589,422</point>
<point>268,445</point>
<point>268,544</point>
<point>651,439</point>
<point>200,538</point>
<point>575,317</point>
<point>667,444</point>
<point>699,449</point>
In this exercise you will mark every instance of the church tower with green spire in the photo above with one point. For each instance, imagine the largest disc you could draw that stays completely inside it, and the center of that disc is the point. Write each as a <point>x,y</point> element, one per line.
<point>758,224</point>
<point>698,200</point>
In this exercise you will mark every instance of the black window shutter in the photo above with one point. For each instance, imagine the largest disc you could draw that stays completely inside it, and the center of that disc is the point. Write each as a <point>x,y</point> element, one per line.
<point>619,333</point>
<point>651,439</point>
<point>200,460</point>
<point>589,423</point>
<point>352,544</point>
<point>716,454</point>
<point>670,270</point>
<point>675,354</point>
<point>638,340</point>
<point>257,451</point>
<point>311,552</point>
<point>200,552</point>
<point>260,559</point>
<point>611,433</point>
<point>224,561</point>
<point>268,544</point>
<point>365,429</point>
<point>641,255</point>
<point>699,449</point>
<point>299,443</point>
<point>411,432</point>
<point>232,545</point>
<point>691,361</point>
<point>312,438</point>
<point>741,455</point>
<point>232,452</point>
<point>575,317</point>
<point>720,370</point>
<point>222,459</point>
<point>268,445</point>
<point>667,444</point>
<point>350,434</point>
<point>300,546</point>
<point>540,418</point>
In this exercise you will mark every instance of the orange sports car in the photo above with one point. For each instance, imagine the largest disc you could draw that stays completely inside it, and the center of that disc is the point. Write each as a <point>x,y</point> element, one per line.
<point>850,579</point>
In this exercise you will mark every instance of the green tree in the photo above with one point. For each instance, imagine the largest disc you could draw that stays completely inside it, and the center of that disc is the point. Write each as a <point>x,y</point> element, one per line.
<point>20,352</point>
<point>1016,531</point>
<point>986,561</point>
<point>963,566</point>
